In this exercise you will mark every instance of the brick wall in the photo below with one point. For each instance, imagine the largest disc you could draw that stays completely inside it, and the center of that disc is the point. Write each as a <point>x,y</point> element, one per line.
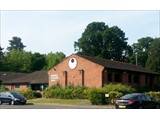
<point>86,72</point>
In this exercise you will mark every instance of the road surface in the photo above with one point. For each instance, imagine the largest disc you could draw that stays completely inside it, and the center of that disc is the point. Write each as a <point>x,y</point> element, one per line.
<point>55,107</point>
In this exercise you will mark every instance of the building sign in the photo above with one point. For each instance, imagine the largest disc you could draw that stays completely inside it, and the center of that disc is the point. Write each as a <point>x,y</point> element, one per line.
<point>53,77</point>
<point>72,63</point>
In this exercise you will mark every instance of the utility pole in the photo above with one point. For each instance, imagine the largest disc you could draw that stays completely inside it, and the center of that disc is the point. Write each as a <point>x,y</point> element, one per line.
<point>136,59</point>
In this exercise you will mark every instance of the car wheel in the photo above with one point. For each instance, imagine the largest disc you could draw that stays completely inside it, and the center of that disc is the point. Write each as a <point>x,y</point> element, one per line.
<point>0,102</point>
<point>12,102</point>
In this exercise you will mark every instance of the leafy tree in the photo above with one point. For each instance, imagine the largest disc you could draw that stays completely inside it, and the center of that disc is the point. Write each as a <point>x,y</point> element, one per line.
<point>141,48</point>
<point>153,61</point>
<point>100,40</point>
<point>15,44</point>
<point>38,61</point>
<point>1,53</point>
<point>18,61</point>
<point>1,58</point>
<point>53,58</point>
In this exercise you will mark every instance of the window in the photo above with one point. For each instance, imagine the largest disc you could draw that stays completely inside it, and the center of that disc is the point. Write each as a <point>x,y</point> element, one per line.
<point>130,78</point>
<point>136,79</point>
<point>118,77</point>
<point>110,77</point>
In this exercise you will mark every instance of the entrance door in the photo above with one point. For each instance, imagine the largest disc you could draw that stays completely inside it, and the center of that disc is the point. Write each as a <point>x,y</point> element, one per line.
<point>82,72</point>
<point>66,78</point>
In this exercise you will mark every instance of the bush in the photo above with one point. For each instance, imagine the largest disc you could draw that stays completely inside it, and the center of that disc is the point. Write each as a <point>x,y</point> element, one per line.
<point>155,95</point>
<point>124,89</point>
<point>69,92</point>
<point>2,88</point>
<point>30,94</point>
<point>27,93</point>
<point>37,94</point>
<point>97,97</point>
<point>113,95</point>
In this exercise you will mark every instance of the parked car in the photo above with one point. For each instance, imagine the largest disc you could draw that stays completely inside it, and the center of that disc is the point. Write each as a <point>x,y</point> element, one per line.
<point>136,101</point>
<point>12,98</point>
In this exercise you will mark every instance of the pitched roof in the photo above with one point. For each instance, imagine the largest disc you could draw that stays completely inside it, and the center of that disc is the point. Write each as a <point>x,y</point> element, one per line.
<point>6,76</point>
<point>37,77</point>
<point>116,64</point>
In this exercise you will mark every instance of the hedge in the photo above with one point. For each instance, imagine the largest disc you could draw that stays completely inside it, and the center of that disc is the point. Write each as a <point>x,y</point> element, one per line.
<point>69,92</point>
<point>97,97</point>
<point>2,88</point>
<point>122,88</point>
<point>30,94</point>
<point>155,95</point>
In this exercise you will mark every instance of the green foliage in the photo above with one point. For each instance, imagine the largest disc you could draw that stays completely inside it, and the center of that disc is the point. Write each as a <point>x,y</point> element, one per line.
<point>18,61</point>
<point>1,58</point>
<point>30,94</point>
<point>69,92</point>
<point>103,41</point>
<point>53,58</point>
<point>27,93</point>
<point>38,61</point>
<point>97,97</point>
<point>16,44</point>
<point>155,95</point>
<point>2,88</point>
<point>141,48</point>
<point>113,95</point>
<point>122,88</point>
<point>153,61</point>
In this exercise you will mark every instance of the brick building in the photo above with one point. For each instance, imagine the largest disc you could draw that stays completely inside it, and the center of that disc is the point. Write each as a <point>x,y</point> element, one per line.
<point>21,81</point>
<point>94,72</point>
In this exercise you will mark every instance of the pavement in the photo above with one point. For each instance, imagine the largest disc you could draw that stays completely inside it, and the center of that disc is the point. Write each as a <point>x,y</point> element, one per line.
<point>56,106</point>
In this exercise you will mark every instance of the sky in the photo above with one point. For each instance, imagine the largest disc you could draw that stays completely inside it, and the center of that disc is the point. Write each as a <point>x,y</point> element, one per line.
<point>52,31</point>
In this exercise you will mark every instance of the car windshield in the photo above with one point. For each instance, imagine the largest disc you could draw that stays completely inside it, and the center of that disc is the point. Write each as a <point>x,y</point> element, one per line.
<point>17,95</point>
<point>130,96</point>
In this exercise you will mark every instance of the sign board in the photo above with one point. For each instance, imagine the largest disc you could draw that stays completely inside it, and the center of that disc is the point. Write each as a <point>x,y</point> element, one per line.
<point>53,77</point>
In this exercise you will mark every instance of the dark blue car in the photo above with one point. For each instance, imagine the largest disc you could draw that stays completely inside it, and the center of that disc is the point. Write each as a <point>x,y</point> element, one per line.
<point>136,100</point>
<point>12,98</point>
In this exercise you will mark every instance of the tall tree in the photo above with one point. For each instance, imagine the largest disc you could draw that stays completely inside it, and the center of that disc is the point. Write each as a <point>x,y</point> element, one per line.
<point>1,58</point>
<point>18,61</point>
<point>140,50</point>
<point>53,58</point>
<point>38,61</point>
<point>100,40</point>
<point>16,44</point>
<point>1,52</point>
<point>153,61</point>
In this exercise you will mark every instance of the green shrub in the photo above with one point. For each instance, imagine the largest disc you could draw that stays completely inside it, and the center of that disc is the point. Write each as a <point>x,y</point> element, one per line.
<point>27,93</point>
<point>113,95</point>
<point>30,94</point>
<point>155,95</point>
<point>97,97</point>
<point>69,92</point>
<point>37,94</point>
<point>122,88</point>
<point>79,92</point>
<point>2,88</point>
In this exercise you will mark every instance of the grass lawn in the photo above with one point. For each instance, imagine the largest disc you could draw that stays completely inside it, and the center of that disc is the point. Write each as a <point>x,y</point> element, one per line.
<point>60,101</point>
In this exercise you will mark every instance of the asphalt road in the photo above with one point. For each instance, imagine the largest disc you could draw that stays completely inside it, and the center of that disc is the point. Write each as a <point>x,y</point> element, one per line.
<point>54,107</point>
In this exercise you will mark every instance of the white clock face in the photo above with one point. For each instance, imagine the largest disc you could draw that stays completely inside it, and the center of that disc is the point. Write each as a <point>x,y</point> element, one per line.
<point>72,63</point>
